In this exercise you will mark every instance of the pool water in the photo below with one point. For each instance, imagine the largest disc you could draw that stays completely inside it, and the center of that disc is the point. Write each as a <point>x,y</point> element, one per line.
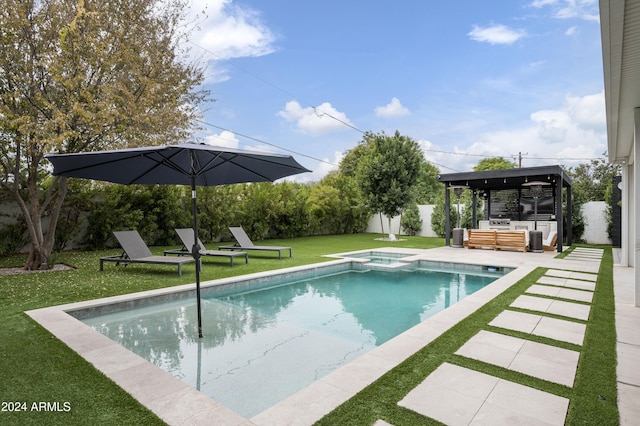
<point>263,345</point>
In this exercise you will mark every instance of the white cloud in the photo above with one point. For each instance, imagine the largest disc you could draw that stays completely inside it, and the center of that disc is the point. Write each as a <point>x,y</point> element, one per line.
<point>571,31</point>
<point>496,34</point>
<point>541,3</point>
<point>319,169</point>
<point>225,139</point>
<point>588,111</point>
<point>392,109</point>
<point>537,64</point>
<point>564,135</point>
<point>566,9</point>
<point>226,31</point>
<point>316,121</point>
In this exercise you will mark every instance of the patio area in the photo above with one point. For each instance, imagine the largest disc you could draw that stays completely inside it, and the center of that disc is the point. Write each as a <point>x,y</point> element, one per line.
<point>564,291</point>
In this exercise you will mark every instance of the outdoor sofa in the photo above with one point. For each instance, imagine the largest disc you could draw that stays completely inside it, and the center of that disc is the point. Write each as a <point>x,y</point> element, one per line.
<point>136,251</point>
<point>498,239</point>
<point>549,244</point>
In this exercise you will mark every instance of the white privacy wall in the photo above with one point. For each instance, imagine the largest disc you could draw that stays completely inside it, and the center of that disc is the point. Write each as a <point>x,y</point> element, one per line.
<point>595,231</point>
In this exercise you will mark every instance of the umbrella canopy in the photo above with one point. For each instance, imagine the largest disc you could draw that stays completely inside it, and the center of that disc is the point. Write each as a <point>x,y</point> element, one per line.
<point>186,164</point>
<point>176,165</point>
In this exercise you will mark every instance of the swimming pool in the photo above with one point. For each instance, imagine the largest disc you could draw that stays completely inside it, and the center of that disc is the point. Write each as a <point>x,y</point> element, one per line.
<point>380,257</point>
<point>266,339</point>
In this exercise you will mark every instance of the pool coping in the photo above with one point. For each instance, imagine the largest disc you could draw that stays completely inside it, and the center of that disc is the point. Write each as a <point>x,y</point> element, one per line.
<point>177,403</point>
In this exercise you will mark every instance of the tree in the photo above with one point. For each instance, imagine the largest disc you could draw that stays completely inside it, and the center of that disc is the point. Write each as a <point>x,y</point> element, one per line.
<point>427,186</point>
<point>84,76</point>
<point>508,197</point>
<point>438,217</point>
<point>411,221</point>
<point>496,163</point>
<point>388,172</point>
<point>353,215</point>
<point>590,182</point>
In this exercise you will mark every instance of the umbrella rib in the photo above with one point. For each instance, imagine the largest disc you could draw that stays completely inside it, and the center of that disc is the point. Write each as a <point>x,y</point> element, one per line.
<point>165,161</point>
<point>231,160</point>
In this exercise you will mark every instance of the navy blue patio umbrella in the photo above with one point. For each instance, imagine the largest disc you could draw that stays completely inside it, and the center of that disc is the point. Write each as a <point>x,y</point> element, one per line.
<point>187,164</point>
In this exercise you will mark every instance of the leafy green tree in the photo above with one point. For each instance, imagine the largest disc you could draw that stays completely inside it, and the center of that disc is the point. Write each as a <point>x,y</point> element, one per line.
<point>388,172</point>
<point>83,76</point>
<point>507,197</point>
<point>427,186</point>
<point>353,214</point>
<point>154,210</point>
<point>495,163</point>
<point>218,208</point>
<point>438,217</point>
<point>291,216</point>
<point>466,211</point>
<point>77,203</point>
<point>411,221</point>
<point>324,207</point>
<point>590,182</point>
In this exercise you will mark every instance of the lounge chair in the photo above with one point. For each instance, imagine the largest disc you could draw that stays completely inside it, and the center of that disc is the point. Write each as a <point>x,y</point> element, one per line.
<point>549,244</point>
<point>186,236</point>
<point>245,243</point>
<point>136,251</point>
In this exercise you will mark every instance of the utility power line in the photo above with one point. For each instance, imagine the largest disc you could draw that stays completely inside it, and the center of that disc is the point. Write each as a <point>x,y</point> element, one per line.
<point>280,89</point>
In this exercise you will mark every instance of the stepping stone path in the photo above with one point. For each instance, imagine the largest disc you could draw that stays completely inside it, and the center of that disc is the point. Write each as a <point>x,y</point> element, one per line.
<point>558,308</point>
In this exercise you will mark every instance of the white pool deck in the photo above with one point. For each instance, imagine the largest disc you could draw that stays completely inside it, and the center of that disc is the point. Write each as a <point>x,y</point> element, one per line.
<point>451,394</point>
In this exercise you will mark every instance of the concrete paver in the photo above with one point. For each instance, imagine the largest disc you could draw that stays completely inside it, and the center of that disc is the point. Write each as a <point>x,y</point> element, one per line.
<point>552,328</point>
<point>456,395</point>
<point>563,293</point>
<point>572,274</point>
<point>535,359</point>
<point>557,307</point>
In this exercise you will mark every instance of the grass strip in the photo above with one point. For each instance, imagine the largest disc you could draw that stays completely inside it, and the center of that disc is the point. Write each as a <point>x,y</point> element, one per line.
<point>594,400</point>
<point>593,397</point>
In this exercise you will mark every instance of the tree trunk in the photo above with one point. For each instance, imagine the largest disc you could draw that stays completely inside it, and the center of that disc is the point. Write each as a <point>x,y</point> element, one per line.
<point>381,225</point>
<point>42,242</point>
<point>389,219</point>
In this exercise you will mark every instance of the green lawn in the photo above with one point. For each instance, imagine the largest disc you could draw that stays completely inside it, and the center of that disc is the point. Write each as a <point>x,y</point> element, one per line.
<point>36,367</point>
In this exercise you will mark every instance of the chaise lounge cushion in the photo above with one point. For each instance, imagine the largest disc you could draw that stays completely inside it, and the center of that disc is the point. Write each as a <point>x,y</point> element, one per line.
<point>136,251</point>
<point>245,243</point>
<point>186,236</point>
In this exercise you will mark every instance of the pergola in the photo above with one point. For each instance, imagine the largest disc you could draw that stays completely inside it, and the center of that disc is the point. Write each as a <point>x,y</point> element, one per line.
<point>484,182</point>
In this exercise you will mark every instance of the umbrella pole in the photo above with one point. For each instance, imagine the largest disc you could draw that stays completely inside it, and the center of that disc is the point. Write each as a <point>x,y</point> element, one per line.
<point>195,251</point>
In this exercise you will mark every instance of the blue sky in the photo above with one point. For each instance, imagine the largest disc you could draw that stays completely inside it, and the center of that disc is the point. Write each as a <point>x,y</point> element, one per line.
<point>466,79</point>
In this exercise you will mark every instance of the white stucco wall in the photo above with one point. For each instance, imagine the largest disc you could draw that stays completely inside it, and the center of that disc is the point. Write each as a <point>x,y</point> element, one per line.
<point>425,213</point>
<point>595,229</point>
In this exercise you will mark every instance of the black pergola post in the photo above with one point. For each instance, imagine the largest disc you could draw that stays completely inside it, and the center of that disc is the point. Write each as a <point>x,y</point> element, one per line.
<point>447,216</point>
<point>474,209</point>
<point>559,221</point>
